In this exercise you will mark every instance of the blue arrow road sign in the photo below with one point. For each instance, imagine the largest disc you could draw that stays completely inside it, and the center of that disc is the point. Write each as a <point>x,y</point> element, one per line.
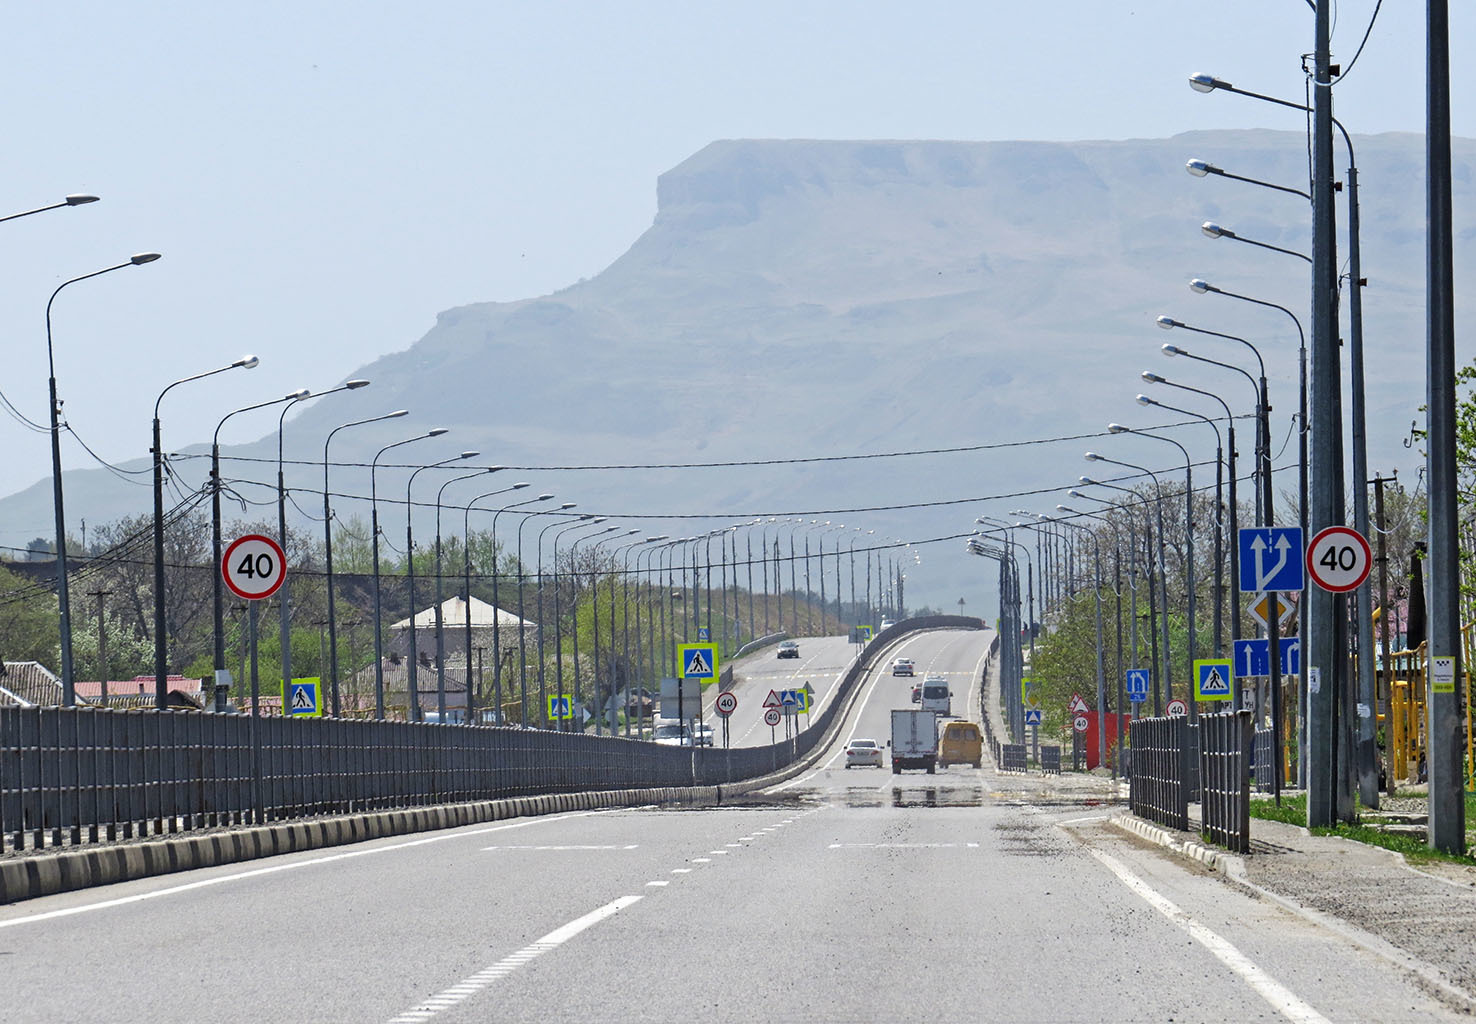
<point>1032,717</point>
<point>1271,558</point>
<point>1137,685</point>
<point>1253,657</point>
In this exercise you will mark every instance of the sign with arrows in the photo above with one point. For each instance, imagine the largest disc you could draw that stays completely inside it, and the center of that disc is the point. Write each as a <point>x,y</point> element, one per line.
<point>1271,559</point>
<point>1137,685</point>
<point>1253,656</point>
<point>1212,678</point>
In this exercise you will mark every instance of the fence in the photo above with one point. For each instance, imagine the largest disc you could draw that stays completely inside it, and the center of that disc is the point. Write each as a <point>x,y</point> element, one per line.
<point>1159,786</point>
<point>84,774</point>
<point>1224,816</point>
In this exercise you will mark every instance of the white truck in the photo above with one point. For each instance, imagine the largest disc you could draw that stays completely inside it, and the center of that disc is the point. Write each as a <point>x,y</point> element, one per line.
<point>914,740</point>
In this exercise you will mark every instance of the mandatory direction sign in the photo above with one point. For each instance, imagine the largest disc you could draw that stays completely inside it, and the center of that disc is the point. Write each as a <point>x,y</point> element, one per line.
<point>253,567</point>
<point>698,661</point>
<point>1137,685</point>
<point>1212,679</point>
<point>1271,559</point>
<point>1338,559</point>
<point>1253,656</point>
<point>726,703</point>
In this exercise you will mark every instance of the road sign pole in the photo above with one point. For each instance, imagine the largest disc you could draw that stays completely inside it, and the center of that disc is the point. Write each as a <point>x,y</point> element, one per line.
<point>255,728</point>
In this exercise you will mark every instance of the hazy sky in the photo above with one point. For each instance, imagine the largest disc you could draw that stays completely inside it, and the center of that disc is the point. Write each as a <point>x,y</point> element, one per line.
<point>322,179</point>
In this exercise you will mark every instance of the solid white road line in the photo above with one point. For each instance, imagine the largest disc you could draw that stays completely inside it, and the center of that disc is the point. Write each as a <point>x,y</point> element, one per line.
<point>502,968</point>
<point>1282,999</point>
<point>175,890</point>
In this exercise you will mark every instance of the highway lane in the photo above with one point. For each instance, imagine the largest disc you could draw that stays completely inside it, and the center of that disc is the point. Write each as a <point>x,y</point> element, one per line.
<point>842,895</point>
<point>822,662</point>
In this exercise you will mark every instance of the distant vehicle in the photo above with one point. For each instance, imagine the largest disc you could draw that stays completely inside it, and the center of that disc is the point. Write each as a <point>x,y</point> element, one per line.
<point>672,734</point>
<point>917,692</point>
<point>914,741</point>
<point>863,752</point>
<point>702,734</point>
<point>885,623</point>
<point>936,696</point>
<point>903,667</point>
<point>961,744</point>
<point>789,649</point>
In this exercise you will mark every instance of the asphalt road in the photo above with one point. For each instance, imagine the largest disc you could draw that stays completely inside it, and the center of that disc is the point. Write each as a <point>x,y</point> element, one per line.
<point>822,662</point>
<point>841,895</point>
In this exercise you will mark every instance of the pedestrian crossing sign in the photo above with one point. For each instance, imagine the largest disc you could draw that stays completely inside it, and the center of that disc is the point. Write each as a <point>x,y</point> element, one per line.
<point>304,699</point>
<point>560,707</point>
<point>1212,678</point>
<point>698,661</point>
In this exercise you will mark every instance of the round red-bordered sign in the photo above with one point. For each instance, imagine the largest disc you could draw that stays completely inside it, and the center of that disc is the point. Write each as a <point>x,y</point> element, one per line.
<point>1338,559</point>
<point>726,703</point>
<point>771,717</point>
<point>1177,708</point>
<point>254,567</point>
<point>1080,723</point>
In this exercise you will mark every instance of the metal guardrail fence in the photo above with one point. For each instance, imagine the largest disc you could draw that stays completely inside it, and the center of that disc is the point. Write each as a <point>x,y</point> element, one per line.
<point>1225,741</point>
<point>1265,764</point>
<point>1158,789</point>
<point>86,775</point>
<point>1050,760</point>
<point>1013,757</point>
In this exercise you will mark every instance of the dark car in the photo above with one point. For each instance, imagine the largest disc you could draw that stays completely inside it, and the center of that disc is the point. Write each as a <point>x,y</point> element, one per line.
<point>789,649</point>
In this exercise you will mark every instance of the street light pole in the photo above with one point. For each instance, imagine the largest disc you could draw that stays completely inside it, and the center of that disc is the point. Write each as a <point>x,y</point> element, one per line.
<point>374,531</point>
<point>580,524</point>
<point>522,632</point>
<point>328,555</point>
<point>496,612</point>
<point>161,647</point>
<point>72,200</point>
<point>440,599</point>
<point>69,696</point>
<point>542,674</point>
<point>497,602</point>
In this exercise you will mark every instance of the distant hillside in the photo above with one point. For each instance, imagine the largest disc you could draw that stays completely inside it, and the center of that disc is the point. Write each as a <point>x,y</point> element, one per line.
<point>802,298</point>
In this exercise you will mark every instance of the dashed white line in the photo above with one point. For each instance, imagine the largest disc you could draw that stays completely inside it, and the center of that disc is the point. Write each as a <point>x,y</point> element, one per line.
<point>659,882</point>
<point>474,984</point>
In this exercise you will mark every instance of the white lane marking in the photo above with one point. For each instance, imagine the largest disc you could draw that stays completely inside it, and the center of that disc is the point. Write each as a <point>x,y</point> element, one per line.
<point>701,860</point>
<point>718,853</point>
<point>663,881</point>
<point>540,849</point>
<point>502,968</point>
<point>681,871</point>
<point>1281,998</point>
<point>904,846</point>
<point>174,890</point>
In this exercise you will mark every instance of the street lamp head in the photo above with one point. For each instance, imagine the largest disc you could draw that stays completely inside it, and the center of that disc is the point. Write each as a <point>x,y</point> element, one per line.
<point>80,200</point>
<point>144,257</point>
<point>246,363</point>
<point>543,497</point>
<point>1090,457</point>
<point>567,504</point>
<point>354,385</point>
<point>1173,350</point>
<point>519,485</point>
<point>1199,286</point>
<point>653,540</point>
<point>1145,400</point>
<point>1088,481</point>
<point>1199,168</point>
<point>436,431</point>
<point>1153,378</point>
<point>1118,428</point>
<point>298,395</point>
<point>397,414</point>
<point>1213,230</point>
<point>1075,493</point>
<point>1168,323</point>
<point>1207,83</point>
<point>468,455</point>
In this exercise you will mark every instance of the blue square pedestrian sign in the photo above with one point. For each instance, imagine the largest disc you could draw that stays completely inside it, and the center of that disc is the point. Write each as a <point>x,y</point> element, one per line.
<point>698,661</point>
<point>1137,685</point>
<point>304,699</point>
<point>1212,678</point>
<point>1271,558</point>
<point>560,707</point>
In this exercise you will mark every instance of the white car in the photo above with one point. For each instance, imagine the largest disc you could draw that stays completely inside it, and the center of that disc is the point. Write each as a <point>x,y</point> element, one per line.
<point>863,752</point>
<point>887,624</point>
<point>702,734</point>
<point>903,667</point>
<point>672,735</point>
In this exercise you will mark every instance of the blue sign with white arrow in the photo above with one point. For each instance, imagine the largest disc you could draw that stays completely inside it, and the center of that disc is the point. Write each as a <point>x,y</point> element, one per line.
<point>1137,685</point>
<point>1271,558</point>
<point>1253,656</point>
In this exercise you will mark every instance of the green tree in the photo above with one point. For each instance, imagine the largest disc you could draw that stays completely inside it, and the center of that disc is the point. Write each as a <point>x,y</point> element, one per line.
<point>28,620</point>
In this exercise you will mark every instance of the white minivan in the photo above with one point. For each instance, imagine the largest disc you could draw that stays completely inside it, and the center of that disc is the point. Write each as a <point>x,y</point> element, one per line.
<point>936,696</point>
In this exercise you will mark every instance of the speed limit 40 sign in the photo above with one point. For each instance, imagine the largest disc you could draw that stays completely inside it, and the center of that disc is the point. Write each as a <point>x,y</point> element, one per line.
<point>253,567</point>
<point>1338,559</point>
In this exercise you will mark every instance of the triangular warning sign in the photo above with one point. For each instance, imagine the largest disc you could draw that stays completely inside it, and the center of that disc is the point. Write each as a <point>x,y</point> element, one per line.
<point>697,664</point>
<point>773,700</point>
<point>1077,704</point>
<point>301,699</point>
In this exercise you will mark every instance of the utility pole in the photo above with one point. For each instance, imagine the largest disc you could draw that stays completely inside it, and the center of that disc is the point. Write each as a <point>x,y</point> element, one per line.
<point>1383,560</point>
<point>102,641</point>
<point>1447,806</point>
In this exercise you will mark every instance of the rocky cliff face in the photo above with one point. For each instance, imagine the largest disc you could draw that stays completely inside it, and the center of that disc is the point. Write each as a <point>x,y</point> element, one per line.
<point>800,298</point>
